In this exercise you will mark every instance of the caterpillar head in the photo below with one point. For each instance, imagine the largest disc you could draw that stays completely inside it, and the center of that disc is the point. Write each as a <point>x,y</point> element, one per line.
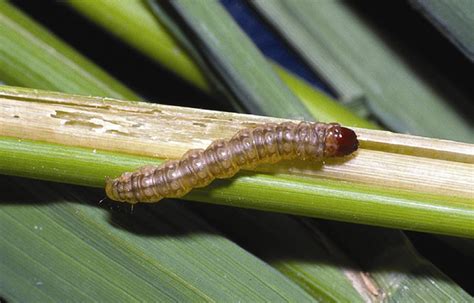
<point>340,141</point>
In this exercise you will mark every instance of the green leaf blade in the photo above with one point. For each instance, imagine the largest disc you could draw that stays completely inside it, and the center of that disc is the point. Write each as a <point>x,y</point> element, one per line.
<point>31,56</point>
<point>118,261</point>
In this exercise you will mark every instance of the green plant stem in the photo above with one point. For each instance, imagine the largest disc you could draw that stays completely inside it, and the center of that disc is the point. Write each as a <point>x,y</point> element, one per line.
<point>281,193</point>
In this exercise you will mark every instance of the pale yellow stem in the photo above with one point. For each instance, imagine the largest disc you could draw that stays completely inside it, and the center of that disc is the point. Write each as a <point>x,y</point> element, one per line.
<point>385,159</point>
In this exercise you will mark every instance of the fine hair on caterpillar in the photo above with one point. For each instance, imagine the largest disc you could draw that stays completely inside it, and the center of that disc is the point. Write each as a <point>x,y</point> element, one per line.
<point>268,143</point>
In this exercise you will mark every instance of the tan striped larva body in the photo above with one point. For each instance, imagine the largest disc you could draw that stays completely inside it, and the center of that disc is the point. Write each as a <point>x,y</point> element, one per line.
<point>268,143</point>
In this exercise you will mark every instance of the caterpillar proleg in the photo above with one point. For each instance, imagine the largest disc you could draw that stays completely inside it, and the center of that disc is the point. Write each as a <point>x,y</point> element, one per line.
<point>268,143</point>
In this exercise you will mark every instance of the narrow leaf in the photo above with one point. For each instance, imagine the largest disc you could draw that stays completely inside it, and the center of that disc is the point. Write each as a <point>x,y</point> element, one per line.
<point>236,61</point>
<point>402,274</point>
<point>161,47</point>
<point>390,85</point>
<point>31,56</point>
<point>453,19</point>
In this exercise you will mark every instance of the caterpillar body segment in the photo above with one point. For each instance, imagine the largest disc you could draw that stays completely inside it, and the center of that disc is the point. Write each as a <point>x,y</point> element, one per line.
<point>268,143</point>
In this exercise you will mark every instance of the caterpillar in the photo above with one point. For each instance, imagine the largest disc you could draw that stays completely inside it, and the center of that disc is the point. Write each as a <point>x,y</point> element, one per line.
<point>268,143</point>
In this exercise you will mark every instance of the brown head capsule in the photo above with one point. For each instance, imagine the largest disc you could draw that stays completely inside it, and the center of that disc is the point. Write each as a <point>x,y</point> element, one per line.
<point>268,143</point>
<point>340,141</point>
